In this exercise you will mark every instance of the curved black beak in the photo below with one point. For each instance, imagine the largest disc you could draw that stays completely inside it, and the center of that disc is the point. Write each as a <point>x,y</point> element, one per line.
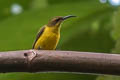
<point>69,16</point>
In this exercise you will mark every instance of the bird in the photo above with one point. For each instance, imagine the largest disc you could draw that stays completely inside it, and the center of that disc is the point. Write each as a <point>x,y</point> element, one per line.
<point>49,35</point>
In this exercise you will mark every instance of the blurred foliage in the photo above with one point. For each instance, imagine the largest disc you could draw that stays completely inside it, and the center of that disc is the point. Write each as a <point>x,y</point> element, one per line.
<point>108,77</point>
<point>36,4</point>
<point>95,29</point>
<point>45,76</point>
<point>116,19</point>
<point>64,1</point>
<point>116,36</point>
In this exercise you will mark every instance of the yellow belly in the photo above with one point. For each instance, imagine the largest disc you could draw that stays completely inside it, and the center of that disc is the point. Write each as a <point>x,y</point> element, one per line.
<point>48,41</point>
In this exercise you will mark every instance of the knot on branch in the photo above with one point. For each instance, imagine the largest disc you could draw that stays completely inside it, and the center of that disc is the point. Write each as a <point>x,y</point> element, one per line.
<point>30,55</point>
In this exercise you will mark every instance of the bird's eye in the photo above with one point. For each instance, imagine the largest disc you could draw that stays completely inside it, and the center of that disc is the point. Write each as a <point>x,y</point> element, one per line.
<point>57,19</point>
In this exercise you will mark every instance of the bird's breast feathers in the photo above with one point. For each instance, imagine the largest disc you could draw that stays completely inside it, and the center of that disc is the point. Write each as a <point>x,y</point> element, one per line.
<point>48,40</point>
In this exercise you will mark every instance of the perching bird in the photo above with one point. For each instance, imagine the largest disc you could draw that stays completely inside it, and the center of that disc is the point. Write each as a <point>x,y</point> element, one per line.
<point>49,35</point>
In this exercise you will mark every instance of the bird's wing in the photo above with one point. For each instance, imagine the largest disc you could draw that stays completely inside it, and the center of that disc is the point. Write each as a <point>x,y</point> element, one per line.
<point>38,35</point>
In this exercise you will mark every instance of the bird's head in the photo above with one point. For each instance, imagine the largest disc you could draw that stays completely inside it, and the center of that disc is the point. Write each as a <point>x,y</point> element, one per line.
<point>58,20</point>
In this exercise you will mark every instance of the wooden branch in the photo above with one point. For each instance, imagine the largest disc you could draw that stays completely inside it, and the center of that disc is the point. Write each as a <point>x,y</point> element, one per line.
<point>63,61</point>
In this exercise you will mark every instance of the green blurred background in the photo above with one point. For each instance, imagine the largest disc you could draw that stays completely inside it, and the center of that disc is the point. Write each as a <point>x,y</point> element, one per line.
<point>95,29</point>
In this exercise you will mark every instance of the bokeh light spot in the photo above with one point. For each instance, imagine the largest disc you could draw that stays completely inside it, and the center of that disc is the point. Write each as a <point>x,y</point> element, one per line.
<point>114,2</point>
<point>103,1</point>
<point>16,9</point>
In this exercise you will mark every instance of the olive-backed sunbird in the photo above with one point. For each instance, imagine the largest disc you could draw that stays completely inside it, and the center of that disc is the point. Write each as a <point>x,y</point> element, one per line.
<point>49,35</point>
